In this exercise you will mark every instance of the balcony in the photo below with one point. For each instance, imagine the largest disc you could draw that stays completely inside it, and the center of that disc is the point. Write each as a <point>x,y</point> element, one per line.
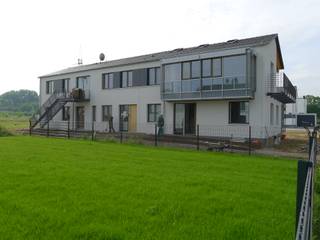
<point>208,88</point>
<point>79,95</point>
<point>280,88</point>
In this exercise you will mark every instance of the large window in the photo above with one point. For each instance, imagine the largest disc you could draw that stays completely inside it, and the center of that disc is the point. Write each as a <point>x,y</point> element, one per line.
<point>65,113</point>
<point>126,79</point>
<point>154,111</point>
<point>107,81</point>
<point>206,68</point>
<point>195,69</point>
<point>172,72</point>
<point>49,87</point>
<point>239,112</point>
<point>217,67</point>
<point>57,86</point>
<point>106,112</point>
<point>154,76</point>
<point>83,82</point>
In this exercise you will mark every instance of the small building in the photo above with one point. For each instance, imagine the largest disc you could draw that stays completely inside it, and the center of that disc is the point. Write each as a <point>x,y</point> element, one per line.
<point>224,88</point>
<point>293,109</point>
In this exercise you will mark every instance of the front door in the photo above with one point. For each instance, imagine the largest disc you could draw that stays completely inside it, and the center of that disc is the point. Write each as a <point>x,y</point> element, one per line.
<point>184,118</point>
<point>132,118</point>
<point>128,118</point>
<point>80,118</point>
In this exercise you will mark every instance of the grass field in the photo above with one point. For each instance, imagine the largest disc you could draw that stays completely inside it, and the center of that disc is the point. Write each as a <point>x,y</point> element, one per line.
<point>13,121</point>
<point>77,189</point>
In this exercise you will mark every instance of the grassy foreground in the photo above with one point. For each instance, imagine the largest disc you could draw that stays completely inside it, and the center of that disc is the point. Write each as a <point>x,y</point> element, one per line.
<point>77,189</point>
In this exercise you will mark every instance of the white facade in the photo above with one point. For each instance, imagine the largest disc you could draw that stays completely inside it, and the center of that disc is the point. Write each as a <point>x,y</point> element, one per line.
<point>293,109</point>
<point>265,114</point>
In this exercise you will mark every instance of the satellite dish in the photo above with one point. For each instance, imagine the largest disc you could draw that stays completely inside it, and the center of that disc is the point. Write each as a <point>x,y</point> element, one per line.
<point>101,57</point>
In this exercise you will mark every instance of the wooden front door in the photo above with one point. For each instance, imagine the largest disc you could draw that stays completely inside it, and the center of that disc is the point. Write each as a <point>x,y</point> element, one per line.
<point>80,118</point>
<point>132,118</point>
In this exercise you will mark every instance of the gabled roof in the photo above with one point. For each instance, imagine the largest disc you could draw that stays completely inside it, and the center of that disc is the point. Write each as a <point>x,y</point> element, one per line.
<point>235,43</point>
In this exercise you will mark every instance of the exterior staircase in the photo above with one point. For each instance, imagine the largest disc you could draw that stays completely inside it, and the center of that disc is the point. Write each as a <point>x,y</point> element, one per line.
<point>54,104</point>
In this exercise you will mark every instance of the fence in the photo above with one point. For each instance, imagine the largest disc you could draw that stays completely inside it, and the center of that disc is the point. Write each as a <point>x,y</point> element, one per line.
<point>305,188</point>
<point>219,138</point>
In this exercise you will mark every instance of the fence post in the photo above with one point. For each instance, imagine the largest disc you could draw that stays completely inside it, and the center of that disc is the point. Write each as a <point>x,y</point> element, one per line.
<point>68,128</point>
<point>155,135</point>
<point>301,180</point>
<point>92,131</point>
<point>120,136</point>
<point>198,140</point>
<point>249,140</point>
<point>30,129</point>
<point>183,130</point>
<point>48,127</point>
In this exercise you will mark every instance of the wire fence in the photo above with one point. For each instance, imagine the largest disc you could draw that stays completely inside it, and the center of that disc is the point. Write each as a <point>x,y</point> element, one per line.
<point>209,137</point>
<point>305,190</point>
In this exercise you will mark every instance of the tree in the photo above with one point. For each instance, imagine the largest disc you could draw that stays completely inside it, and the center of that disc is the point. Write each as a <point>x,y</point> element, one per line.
<point>25,101</point>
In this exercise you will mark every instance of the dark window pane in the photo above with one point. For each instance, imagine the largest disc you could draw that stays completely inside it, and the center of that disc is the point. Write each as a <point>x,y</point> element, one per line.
<point>239,112</point>
<point>217,84</point>
<point>216,67</point>
<point>157,75</point>
<point>172,72</point>
<point>195,69</point>
<point>206,68</point>
<point>206,84</point>
<point>234,66</point>
<point>186,70</point>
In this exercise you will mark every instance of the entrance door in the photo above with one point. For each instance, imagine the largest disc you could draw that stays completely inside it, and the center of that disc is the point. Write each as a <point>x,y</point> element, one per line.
<point>132,118</point>
<point>128,118</point>
<point>80,117</point>
<point>184,118</point>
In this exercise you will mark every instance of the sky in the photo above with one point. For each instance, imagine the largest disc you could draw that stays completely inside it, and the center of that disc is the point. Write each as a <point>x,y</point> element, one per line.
<point>41,36</point>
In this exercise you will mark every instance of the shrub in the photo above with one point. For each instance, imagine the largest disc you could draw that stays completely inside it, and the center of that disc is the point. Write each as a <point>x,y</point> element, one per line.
<point>4,132</point>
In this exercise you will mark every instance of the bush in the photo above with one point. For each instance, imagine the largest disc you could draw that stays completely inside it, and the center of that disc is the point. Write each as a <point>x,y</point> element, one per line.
<point>4,132</point>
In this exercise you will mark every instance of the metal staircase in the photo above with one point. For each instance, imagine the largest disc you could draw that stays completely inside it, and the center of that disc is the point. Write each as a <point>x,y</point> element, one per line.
<point>55,103</point>
<point>50,108</point>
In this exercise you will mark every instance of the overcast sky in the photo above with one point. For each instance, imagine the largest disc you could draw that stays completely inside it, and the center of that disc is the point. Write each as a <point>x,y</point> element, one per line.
<point>41,36</point>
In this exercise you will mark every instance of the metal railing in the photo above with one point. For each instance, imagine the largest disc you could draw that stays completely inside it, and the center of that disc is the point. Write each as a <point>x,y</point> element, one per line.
<point>305,189</point>
<point>280,83</point>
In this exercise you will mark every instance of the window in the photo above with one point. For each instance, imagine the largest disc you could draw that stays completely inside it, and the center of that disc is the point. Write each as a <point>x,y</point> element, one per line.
<point>153,76</point>
<point>126,79</point>
<point>83,82</point>
<point>172,72</point>
<point>206,68</point>
<point>107,81</point>
<point>186,70</point>
<point>106,112</point>
<point>271,113</point>
<point>195,69</point>
<point>154,111</point>
<point>234,66</point>
<point>49,87</point>
<point>238,112</point>
<point>277,115</point>
<point>94,110</point>
<point>217,67</point>
<point>65,113</point>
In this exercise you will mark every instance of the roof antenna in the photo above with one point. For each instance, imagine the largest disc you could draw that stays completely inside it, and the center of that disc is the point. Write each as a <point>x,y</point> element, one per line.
<point>80,62</point>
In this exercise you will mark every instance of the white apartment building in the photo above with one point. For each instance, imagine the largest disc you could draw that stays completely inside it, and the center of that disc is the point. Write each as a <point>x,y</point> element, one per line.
<point>223,88</point>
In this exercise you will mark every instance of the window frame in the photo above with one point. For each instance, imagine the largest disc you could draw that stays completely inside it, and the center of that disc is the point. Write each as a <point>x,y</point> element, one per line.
<point>230,115</point>
<point>106,109</point>
<point>106,80</point>
<point>155,113</point>
<point>64,112</point>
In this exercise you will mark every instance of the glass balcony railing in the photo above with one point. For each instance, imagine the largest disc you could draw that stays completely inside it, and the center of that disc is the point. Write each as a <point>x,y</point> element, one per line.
<point>220,87</point>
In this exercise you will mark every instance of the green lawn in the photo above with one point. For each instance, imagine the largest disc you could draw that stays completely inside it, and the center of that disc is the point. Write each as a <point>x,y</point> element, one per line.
<point>77,189</point>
